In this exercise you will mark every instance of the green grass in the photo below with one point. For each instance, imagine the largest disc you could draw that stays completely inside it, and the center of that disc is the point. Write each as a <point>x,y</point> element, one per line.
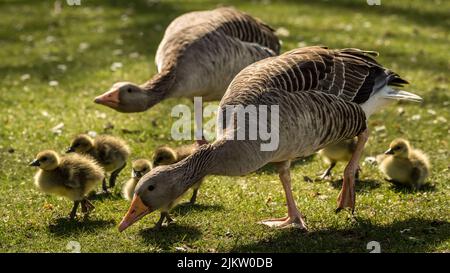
<point>411,36</point>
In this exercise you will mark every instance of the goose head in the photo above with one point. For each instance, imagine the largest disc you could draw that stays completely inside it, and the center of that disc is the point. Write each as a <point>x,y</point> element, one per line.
<point>81,144</point>
<point>140,167</point>
<point>125,97</point>
<point>156,190</point>
<point>164,156</point>
<point>398,148</point>
<point>46,160</point>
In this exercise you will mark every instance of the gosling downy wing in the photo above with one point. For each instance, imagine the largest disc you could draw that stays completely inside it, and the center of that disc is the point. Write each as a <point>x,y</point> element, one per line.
<point>80,170</point>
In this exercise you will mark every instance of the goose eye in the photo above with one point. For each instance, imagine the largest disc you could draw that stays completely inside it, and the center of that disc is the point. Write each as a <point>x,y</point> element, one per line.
<point>151,187</point>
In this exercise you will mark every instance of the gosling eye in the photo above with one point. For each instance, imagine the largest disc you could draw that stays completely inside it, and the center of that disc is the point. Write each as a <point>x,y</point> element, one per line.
<point>129,90</point>
<point>43,159</point>
<point>151,187</point>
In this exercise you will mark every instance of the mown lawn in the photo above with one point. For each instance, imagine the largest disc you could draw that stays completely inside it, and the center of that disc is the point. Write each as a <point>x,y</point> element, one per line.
<point>53,63</point>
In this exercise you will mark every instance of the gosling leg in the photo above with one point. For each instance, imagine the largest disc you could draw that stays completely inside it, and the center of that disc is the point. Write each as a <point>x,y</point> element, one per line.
<point>164,215</point>
<point>195,192</point>
<point>327,172</point>
<point>114,174</point>
<point>73,212</point>
<point>86,206</point>
<point>104,187</point>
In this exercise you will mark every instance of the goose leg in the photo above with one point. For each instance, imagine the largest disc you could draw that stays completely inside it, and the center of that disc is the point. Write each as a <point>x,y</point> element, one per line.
<point>73,212</point>
<point>114,174</point>
<point>346,197</point>
<point>327,172</point>
<point>294,218</point>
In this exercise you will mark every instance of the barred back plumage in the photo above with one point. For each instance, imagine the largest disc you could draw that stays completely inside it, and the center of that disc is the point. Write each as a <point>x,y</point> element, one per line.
<point>351,74</point>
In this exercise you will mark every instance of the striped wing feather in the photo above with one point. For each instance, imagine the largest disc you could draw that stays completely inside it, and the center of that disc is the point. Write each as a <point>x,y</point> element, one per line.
<point>351,74</point>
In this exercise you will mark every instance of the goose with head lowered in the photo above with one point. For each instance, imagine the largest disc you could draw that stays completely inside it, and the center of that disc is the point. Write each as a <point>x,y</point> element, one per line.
<point>199,55</point>
<point>323,96</point>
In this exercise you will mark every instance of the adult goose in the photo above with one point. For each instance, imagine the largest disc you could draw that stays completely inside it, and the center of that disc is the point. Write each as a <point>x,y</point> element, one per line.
<point>323,96</point>
<point>199,55</point>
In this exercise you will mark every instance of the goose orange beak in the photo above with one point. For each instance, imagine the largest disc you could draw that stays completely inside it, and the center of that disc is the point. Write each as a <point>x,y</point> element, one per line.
<point>136,211</point>
<point>110,98</point>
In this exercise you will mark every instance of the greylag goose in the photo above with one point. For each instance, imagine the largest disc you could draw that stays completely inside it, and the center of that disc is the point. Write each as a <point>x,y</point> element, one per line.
<point>72,176</point>
<point>332,154</point>
<point>404,165</point>
<point>166,155</point>
<point>323,96</point>
<point>110,152</point>
<point>199,55</point>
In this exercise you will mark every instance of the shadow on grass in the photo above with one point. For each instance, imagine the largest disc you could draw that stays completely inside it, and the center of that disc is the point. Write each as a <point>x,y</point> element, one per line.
<point>412,235</point>
<point>186,208</point>
<point>407,189</point>
<point>102,196</point>
<point>65,227</point>
<point>360,185</point>
<point>414,15</point>
<point>169,235</point>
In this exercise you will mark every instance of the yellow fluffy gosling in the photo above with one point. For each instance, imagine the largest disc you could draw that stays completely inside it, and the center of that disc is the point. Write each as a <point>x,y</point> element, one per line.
<point>341,151</point>
<point>139,168</point>
<point>71,176</point>
<point>404,165</point>
<point>110,152</point>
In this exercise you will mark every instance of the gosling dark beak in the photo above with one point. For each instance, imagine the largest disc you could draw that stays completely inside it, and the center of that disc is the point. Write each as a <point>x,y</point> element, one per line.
<point>35,163</point>
<point>137,174</point>
<point>70,150</point>
<point>389,152</point>
<point>136,211</point>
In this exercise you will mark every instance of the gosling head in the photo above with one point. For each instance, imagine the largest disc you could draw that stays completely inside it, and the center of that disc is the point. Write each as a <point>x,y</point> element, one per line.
<point>156,190</point>
<point>124,97</point>
<point>46,160</point>
<point>81,144</point>
<point>398,148</point>
<point>164,156</point>
<point>140,167</point>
